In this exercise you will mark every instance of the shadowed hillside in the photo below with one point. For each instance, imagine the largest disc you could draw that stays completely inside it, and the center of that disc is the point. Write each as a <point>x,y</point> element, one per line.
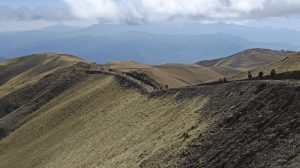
<point>20,106</point>
<point>256,124</point>
<point>73,119</point>
<point>20,72</point>
<point>27,83</point>
<point>248,59</point>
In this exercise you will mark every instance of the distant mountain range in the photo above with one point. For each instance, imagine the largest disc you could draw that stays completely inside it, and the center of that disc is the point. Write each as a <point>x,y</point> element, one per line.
<point>263,34</point>
<point>148,44</point>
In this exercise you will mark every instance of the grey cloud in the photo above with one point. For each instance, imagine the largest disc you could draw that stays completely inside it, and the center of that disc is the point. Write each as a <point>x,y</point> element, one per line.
<point>40,13</point>
<point>274,9</point>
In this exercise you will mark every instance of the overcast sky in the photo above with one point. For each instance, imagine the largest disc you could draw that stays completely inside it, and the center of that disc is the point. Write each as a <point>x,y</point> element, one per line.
<point>32,14</point>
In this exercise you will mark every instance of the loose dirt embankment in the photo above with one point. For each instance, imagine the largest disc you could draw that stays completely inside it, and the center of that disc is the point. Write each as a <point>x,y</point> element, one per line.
<point>256,124</point>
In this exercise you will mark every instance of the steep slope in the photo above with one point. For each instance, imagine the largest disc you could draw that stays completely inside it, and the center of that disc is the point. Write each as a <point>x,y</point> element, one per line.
<point>248,59</point>
<point>20,106</point>
<point>256,124</point>
<point>23,71</point>
<point>102,123</point>
<point>289,64</point>
<point>27,83</point>
<point>173,75</point>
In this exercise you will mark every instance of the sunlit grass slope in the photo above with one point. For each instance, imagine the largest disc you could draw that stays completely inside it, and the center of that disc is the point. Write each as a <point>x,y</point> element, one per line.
<point>101,124</point>
<point>248,59</point>
<point>288,64</point>
<point>173,75</point>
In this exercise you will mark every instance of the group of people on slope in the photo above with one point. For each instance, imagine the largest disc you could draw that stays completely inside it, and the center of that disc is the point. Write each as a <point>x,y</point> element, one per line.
<point>250,77</point>
<point>261,75</point>
<point>224,80</point>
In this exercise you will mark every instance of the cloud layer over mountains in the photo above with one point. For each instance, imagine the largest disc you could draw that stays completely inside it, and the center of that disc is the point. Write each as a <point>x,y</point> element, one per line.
<point>145,11</point>
<point>198,10</point>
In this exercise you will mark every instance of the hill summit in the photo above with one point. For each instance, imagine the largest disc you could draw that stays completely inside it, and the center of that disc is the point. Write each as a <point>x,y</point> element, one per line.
<point>248,59</point>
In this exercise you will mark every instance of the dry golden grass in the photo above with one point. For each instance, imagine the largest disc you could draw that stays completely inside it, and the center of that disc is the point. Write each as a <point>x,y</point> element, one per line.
<point>288,64</point>
<point>100,124</point>
<point>173,75</point>
<point>189,74</point>
<point>248,59</point>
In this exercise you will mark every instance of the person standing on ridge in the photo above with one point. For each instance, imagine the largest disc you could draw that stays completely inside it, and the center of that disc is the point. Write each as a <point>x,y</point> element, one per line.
<point>249,75</point>
<point>273,74</point>
<point>220,81</point>
<point>260,75</point>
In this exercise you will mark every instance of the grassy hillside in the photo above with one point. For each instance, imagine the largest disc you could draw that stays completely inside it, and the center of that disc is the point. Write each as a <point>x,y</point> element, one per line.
<point>19,106</point>
<point>174,75</point>
<point>23,71</point>
<point>72,119</point>
<point>27,83</point>
<point>288,64</point>
<point>248,59</point>
<point>100,123</point>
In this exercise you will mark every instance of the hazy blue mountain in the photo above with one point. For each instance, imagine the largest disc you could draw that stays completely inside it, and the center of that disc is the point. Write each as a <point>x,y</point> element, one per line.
<point>266,34</point>
<point>148,43</point>
<point>60,29</point>
<point>10,41</point>
<point>146,47</point>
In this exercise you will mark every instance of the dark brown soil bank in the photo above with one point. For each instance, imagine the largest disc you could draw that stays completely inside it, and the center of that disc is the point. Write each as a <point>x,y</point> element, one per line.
<point>257,124</point>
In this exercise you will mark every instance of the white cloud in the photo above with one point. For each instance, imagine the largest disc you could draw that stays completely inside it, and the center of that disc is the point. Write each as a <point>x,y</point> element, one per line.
<point>94,9</point>
<point>143,11</point>
<point>199,10</point>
